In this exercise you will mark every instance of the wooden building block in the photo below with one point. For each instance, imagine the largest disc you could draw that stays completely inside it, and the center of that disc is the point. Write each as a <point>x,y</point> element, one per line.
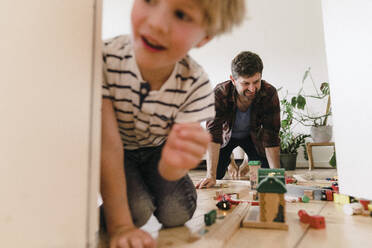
<point>272,207</point>
<point>370,207</point>
<point>253,195</point>
<point>341,199</point>
<point>252,220</point>
<point>253,173</point>
<point>221,232</point>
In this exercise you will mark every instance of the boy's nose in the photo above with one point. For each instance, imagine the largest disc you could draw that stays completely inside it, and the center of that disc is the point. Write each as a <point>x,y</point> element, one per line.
<point>159,20</point>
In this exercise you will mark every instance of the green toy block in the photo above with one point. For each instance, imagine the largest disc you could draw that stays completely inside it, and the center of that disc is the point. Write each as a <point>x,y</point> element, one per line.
<point>254,163</point>
<point>210,217</point>
<point>278,173</point>
<point>305,199</point>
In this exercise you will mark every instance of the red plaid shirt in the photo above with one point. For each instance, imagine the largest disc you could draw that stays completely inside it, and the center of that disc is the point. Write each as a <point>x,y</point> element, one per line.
<point>265,116</point>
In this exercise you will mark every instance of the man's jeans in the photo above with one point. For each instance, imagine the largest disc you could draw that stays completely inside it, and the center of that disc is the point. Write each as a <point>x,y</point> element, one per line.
<point>225,153</point>
<point>172,202</point>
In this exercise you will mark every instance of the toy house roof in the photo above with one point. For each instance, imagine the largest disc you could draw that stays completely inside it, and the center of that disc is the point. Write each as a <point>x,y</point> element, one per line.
<point>271,184</point>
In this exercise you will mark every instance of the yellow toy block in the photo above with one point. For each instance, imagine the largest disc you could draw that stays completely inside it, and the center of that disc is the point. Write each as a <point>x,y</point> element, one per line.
<point>370,207</point>
<point>341,199</point>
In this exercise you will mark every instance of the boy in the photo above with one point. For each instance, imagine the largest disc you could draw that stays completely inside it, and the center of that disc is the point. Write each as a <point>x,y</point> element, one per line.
<point>155,95</point>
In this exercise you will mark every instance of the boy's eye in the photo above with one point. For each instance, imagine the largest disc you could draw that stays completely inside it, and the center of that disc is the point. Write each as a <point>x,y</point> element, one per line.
<point>182,15</point>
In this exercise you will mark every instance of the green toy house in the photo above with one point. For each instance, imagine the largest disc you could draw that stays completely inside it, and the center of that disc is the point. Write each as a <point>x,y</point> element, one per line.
<point>272,203</point>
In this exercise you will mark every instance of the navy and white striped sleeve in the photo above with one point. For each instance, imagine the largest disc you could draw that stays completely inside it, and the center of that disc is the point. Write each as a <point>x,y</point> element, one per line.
<point>198,105</point>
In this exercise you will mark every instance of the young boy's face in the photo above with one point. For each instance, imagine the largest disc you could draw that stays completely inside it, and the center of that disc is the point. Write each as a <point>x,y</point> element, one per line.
<point>165,30</point>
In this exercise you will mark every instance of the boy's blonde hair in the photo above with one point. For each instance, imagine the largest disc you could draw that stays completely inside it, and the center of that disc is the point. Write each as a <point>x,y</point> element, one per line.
<point>222,15</point>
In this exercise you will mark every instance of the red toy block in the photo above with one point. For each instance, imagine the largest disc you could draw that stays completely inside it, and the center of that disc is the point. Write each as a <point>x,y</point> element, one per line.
<point>335,187</point>
<point>315,221</point>
<point>289,180</point>
<point>364,203</point>
<point>226,197</point>
<point>329,194</point>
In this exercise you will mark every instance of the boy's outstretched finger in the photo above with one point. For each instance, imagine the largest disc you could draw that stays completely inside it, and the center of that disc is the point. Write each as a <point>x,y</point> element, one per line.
<point>119,243</point>
<point>135,242</point>
<point>149,242</point>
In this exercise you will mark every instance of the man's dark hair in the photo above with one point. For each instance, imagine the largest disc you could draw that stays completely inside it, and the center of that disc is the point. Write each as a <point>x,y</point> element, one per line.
<point>246,64</point>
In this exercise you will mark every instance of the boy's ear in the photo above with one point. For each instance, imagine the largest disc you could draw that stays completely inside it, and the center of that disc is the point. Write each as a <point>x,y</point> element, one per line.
<point>204,41</point>
<point>232,80</point>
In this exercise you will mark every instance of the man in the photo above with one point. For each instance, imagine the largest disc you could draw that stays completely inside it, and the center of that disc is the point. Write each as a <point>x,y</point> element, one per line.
<point>247,115</point>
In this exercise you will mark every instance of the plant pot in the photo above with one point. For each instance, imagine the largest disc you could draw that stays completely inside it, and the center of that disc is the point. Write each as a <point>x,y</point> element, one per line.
<point>288,161</point>
<point>321,133</point>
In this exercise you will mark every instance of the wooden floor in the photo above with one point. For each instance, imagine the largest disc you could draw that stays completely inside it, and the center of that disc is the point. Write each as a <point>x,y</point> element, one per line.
<point>341,230</point>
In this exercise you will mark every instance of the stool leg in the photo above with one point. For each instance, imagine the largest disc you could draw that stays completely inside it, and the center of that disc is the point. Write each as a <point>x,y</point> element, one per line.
<point>310,155</point>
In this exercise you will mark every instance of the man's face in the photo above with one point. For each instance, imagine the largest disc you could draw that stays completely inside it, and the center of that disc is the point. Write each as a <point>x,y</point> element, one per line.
<point>247,86</point>
<point>165,30</point>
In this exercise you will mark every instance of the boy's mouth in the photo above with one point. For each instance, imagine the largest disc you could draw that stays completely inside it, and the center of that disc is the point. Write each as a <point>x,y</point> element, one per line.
<point>152,45</point>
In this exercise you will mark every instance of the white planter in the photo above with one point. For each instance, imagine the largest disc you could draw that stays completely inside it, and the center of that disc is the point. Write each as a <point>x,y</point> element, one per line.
<point>321,133</point>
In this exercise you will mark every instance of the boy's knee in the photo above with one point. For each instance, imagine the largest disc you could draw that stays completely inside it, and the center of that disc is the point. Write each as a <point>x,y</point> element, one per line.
<point>141,212</point>
<point>176,211</point>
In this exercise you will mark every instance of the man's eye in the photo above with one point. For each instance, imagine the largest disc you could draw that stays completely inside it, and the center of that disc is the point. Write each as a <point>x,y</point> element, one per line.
<point>182,15</point>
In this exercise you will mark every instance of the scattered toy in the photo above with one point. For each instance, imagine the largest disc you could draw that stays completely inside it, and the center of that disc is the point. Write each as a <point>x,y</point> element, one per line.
<point>364,203</point>
<point>253,173</point>
<point>309,193</point>
<point>353,208</point>
<point>315,221</point>
<point>305,199</point>
<point>210,217</point>
<point>290,180</point>
<point>223,204</point>
<point>341,199</point>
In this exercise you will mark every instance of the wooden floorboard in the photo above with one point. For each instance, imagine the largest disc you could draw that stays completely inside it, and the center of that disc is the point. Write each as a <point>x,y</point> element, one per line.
<point>341,230</point>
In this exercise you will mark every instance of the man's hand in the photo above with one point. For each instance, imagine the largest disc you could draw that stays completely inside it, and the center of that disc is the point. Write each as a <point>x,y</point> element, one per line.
<point>244,167</point>
<point>131,237</point>
<point>233,171</point>
<point>233,168</point>
<point>206,183</point>
<point>184,149</point>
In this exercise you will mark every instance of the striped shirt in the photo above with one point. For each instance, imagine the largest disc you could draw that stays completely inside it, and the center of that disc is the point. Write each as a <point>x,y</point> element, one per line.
<point>145,117</point>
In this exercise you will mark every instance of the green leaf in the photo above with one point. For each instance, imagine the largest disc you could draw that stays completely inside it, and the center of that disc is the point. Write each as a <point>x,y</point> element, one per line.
<point>294,101</point>
<point>301,102</point>
<point>284,123</point>
<point>332,162</point>
<point>324,88</point>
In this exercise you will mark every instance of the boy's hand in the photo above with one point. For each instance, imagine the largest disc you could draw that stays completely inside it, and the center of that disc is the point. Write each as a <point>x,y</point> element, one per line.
<point>184,149</point>
<point>131,237</point>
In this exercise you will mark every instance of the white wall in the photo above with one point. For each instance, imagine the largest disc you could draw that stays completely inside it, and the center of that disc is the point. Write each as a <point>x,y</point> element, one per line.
<point>49,131</point>
<point>348,27</point>
<point>287,34</point>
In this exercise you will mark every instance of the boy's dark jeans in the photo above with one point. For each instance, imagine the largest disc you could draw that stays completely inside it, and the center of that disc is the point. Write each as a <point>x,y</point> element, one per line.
<point>172,202</point>
<point>225,153</point>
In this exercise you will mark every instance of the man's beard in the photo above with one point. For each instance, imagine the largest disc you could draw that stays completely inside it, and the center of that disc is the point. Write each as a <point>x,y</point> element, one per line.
<point>249,94</point>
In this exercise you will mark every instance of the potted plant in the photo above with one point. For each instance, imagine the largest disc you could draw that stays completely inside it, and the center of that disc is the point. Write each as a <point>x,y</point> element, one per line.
<point>289,140</point>
<point>320,130</point>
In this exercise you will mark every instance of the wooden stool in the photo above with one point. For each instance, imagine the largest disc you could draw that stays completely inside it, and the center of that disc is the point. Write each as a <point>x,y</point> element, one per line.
<point>309,151</point>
